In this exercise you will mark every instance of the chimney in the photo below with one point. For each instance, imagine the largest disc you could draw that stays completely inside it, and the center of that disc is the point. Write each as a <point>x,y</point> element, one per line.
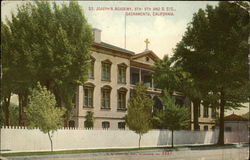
<point>97,35</point>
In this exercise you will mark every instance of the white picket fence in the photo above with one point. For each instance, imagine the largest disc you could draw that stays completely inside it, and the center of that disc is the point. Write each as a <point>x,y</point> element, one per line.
<point>21,139</point>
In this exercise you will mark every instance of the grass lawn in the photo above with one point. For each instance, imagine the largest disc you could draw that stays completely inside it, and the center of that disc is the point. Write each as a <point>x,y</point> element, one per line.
<point>103,150</point>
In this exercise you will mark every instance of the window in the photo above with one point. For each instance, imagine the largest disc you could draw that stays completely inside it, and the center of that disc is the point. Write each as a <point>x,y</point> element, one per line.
<point>205,111</point>
<point>228,129</point>
<point>71,123</point>
<point>88,96</point>
<point>205,128</point>
<point>121,74</point>
<point>121,125</point>
<point>213,112</point>
<point>134,75</point>
<point>105,125</point>
<point>121,99</point>
<point>105,98</point>
<point>91,70</point>
<point>147,59</point>
<point>147,80</point>
<point>106,69</point>
<point>135,78</point>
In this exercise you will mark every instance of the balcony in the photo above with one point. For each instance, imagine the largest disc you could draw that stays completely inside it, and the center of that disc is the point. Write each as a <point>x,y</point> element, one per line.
<point>139,75</point>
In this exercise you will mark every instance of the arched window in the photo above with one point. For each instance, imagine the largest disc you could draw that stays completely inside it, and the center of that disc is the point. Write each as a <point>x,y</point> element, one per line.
<point>88,90</point>
<point>205,111</point>
<point>105,97</point>
<point>106,70</point>
<point>122,73</point>
<point>91,68</point>
<point>121,99</point>
<point>71,123</point>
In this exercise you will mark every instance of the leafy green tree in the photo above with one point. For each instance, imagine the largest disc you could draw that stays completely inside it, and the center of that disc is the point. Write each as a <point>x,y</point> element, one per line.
<point>246,115</point>
<point>166,76</point>
<point>173,117</point>
<point>139,115</point>
<point>42,113</point>
<point>214,51</point>
<point>49,43</point>
<point>170,76</point>
<point>89,122</point>
<point>7,71</point>
<point>13,114</point>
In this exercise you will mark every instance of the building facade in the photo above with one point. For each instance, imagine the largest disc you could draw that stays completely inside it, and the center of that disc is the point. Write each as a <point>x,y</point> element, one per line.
<point>206,117</point>
<point>236,129</point>
<point>114,73</point>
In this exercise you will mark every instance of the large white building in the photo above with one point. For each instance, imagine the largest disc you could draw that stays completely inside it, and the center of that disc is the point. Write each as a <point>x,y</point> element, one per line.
<point>113,75</point>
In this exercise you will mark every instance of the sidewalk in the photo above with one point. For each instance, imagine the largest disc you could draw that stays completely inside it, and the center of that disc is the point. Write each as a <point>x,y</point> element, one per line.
<point>185,151</point>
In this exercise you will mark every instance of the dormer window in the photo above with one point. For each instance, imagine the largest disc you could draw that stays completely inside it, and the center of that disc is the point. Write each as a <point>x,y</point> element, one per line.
<point>147,59</point>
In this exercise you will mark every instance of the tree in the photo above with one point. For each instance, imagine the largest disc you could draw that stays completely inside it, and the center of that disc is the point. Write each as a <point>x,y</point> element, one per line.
<point>246,115</point>
<point>139,116</point>
<point>166,76</point>
<point>13,114</point>
<point>89,122</point>
<point>49,43</point>
<point>170,76</point>
<point>42,113</point>
<point>7,72</point>
<point>173,117</point>
<point>214,51</point>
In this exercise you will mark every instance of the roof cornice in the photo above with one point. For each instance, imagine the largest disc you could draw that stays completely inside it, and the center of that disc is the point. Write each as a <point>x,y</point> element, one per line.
<point>108,47</point>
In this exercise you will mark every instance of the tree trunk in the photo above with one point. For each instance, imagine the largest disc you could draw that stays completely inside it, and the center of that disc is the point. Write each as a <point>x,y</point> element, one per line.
<point>139,140</point>
<point>172,142</point>
<point>25,104</point>
<point>25,100</point>
<point>196,105</point>
<point>221,121</point>
<point>7,109</point>
<point>51,142</point>
<point>20,100</point>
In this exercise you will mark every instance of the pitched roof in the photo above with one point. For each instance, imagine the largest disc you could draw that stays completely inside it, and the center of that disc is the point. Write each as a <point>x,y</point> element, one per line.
<point>112,47</point>
<point>234,117</point>
<point>147,52</point>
